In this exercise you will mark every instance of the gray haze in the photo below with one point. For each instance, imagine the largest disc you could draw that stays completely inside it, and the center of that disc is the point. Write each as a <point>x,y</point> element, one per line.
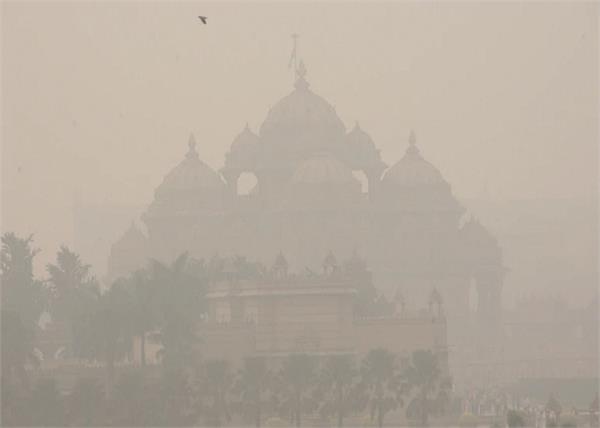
<point>399,224</point>
<point>99,99</point>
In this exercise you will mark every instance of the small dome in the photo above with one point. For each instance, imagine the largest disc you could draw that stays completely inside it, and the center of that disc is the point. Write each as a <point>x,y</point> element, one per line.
<point>190,175</point>
<point>244,139</point>
<point>476,234</point>
<point>413,169</point>
<point>324,169</point>
<point>132,238</point>
<point>242,153</point>
<point>303,118</point>
<point>360,139</point>
<point>128,253</point>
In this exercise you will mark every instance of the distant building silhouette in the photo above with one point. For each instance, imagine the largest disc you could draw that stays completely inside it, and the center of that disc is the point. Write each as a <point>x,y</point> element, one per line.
<point>308,203</point>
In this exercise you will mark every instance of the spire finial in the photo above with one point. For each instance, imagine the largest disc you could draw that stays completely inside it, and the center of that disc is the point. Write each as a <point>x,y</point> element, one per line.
<point>412,138</point>
<point>192,147</point>
<point>412,144</point>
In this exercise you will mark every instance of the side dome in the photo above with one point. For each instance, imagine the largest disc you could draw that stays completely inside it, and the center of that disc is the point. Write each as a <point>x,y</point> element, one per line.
<point>190,175</point>
<point>189,186</point>
<point>128,253</point>
<point>303,119</point>
<point>242,153</point>
<point>323,168</point>
<point>362,151</point>
<point>413,169</point>
<point>414,184</point>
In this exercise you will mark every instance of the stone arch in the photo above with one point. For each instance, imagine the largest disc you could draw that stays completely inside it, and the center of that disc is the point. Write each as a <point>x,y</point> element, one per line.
<point>361,176</point>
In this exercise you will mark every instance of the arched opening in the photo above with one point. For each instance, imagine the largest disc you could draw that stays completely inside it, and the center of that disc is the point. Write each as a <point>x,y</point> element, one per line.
<point>362,178</point>
<point>246,183</point>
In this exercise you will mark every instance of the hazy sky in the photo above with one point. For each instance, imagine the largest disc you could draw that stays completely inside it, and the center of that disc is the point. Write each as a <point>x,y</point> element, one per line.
<point>102,97</point>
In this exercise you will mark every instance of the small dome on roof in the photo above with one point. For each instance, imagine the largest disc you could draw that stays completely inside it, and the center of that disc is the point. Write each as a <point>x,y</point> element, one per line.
<point>244,139</point>
<point>324,168</point>
<point>190,175</point>
<point>413,169</point>
<point>132,238</point>
<point>474,232</point>
<point>360,138</point>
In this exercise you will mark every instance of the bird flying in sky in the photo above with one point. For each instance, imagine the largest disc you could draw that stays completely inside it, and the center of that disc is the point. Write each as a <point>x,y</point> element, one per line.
<point>203,19</point>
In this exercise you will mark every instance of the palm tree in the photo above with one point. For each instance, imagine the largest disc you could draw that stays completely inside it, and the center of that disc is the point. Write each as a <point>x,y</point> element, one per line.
<point>74,293</point>
<point>425,376</point>
<point>21,307</point>
<point>380,382</point>
<point>337,379</point>
<point>254,382</point>
<point>297,376</point>
<point>21,292</point>
<point>107,329</point>
<point>179,298</point>
<point>215,385</point>
<point>144,316</point>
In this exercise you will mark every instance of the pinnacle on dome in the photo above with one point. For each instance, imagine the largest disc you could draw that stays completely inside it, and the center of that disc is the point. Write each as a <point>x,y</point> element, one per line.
<point>192,153</point>
<point>301,82</point>
<point>412,144</point>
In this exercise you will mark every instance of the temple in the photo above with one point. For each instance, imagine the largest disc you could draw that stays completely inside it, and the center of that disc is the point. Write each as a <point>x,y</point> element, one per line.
<point>308,203</point>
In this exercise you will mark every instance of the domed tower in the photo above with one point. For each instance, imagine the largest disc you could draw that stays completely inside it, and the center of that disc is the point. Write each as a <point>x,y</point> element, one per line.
<point>298,126</point>
<point>128,254</point>
<point>416,227</point>
<point>415,185</point>
<point>186,200</point>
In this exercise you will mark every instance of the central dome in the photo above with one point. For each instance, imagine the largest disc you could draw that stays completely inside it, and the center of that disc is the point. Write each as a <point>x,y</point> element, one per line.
<point>303,118</point>
<point>323,168</point>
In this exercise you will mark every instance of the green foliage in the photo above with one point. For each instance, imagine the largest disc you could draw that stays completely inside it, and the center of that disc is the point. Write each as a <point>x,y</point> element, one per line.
<point>178,297</point>
<point>22,303</point>
<point>297,380</point>
<point>86,404</point>
<point>423,376</point>
<point>380,381</point>
<point>254,389</point>
<point>214,387</point>
<point>568,421</point>
<point>515,418</point>
<point>468,420</point>
<point>338,385</point>
<point>74,293</point>
<point>46,405</point>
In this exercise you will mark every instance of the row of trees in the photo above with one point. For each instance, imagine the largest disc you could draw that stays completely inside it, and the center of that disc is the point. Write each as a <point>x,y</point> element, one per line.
<point>213,393</point>
<point>165,302</point>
